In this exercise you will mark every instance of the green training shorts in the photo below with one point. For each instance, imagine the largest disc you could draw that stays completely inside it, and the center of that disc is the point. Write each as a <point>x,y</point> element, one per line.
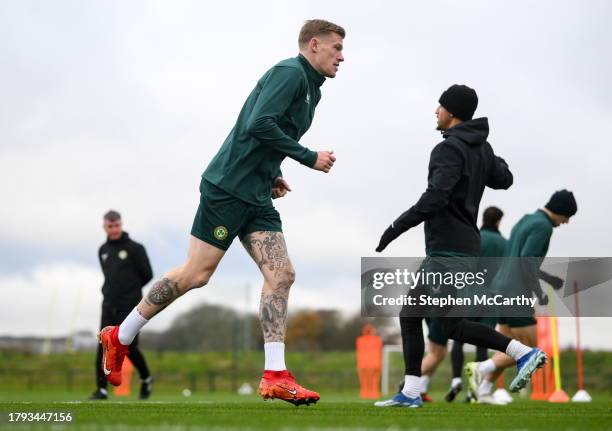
<point>221,217</point>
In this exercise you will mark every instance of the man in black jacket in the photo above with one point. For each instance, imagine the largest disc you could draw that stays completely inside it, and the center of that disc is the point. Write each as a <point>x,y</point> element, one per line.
<point>126,271</point>
<point>460,168</point>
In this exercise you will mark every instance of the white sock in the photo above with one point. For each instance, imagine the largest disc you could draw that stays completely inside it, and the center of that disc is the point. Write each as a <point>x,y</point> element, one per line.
<point>130,327</point>
<point>424,383</point>
<point>517,350</point>
<point>411,386</point>
<point>455,382</point>
<point>485,388</point>
<point>275,356</point>
<point>486,367</point>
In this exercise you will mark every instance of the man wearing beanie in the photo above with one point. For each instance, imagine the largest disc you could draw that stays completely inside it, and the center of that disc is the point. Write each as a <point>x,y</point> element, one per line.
<point>492,248</point>
<point>460,168</point>
<point>529,238</point>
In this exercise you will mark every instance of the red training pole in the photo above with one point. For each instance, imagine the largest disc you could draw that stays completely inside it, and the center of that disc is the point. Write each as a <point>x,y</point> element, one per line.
<point>578,350</point>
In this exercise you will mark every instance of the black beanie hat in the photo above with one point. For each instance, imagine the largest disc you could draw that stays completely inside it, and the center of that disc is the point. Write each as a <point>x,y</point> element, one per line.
<point>563,203</point>
<point>460,100</point>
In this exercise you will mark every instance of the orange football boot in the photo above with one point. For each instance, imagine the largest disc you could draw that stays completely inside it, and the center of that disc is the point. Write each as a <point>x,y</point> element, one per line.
<point>426,398</point>
<point>282,385</point>
<point>113,353</point>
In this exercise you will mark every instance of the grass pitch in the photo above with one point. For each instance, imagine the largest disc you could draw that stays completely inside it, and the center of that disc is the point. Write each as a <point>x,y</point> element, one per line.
<point>335,411</point>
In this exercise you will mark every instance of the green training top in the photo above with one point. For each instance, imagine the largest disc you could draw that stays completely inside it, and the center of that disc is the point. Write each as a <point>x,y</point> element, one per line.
<point>492,249</point>
<point>492,243</point>
<point>274,117</point>
<point>530,237</point>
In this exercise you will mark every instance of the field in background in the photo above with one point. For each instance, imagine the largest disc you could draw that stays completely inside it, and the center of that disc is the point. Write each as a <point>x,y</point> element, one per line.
<point>225,372</point>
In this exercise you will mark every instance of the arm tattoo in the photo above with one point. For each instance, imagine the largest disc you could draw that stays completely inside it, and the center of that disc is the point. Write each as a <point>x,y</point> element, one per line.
<point>273,316</point>
<point>163,292</point>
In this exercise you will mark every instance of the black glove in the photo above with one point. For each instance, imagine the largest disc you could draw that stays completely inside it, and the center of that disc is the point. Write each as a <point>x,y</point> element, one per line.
<point>555,282</point>
<point>389,235</point>
<point>543,300</point>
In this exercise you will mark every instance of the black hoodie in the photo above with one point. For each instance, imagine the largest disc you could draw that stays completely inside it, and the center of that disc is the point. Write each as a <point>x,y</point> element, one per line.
<point>126,270</point>
<point>459,169</point>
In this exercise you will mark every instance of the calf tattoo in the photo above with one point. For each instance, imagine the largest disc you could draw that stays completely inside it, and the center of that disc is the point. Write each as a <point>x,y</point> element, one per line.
<point>269,252</point>
<point>273,316</point>
<point>163,292</point>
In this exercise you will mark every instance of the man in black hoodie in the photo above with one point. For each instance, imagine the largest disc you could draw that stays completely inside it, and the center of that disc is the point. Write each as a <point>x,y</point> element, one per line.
<point>460,168</point>
<point>126,271</point>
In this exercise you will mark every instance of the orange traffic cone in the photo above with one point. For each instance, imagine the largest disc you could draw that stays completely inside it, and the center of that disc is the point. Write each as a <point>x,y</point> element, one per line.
<point>124,390</point>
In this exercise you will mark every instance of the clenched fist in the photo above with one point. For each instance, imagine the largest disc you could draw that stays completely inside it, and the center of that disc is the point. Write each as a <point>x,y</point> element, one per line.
<point>325,161</point>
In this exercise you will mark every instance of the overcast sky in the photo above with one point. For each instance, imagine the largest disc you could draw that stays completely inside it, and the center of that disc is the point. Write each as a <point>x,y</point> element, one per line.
<point>122,104</point>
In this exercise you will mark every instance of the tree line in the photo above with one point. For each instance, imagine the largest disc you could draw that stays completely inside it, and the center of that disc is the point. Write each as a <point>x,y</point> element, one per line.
<point>216,328</point>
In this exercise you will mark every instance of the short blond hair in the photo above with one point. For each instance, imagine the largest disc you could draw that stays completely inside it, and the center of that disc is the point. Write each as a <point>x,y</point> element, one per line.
<point>317,27</point>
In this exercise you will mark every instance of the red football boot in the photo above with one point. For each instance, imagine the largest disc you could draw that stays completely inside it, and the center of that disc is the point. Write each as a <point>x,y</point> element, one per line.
<point>426,398</point>
<point>282,385</point>
<point>113,353</point>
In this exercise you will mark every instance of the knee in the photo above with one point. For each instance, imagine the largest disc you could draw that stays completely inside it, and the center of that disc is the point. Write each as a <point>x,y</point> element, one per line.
<point>195,279</point>
<point>283,279</point>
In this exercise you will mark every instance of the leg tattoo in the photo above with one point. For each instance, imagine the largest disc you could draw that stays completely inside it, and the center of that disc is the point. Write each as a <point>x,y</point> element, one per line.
<point>273,315</point>
<point>269,251</point>
<point>163,292</point>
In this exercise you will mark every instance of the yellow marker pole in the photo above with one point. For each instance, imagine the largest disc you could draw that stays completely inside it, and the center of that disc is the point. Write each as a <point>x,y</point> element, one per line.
<point>555,346</point>
<point>559,396</point>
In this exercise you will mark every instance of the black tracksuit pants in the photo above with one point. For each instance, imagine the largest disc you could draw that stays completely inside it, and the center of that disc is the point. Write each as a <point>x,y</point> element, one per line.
<point>457,357</point>
<point>455,328</point>
<point>112,316</point>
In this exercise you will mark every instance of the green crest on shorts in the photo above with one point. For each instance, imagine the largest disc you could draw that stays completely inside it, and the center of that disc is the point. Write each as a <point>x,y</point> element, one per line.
<point>220,232</point>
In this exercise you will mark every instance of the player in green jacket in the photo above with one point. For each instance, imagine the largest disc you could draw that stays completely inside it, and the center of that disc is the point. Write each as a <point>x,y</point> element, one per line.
<point>236,195</point>
<point>529,239</point>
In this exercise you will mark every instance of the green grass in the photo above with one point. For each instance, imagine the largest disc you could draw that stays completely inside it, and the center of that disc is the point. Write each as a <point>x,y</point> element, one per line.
<point>335,411</point>
<point>62,383</point>
<point>215,371</point>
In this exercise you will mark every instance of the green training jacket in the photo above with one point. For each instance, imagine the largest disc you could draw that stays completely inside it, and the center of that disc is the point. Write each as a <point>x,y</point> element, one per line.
<point>492,243</point>
<point>530,237</point>
<point>274,117</point>
<point>492,250</point>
